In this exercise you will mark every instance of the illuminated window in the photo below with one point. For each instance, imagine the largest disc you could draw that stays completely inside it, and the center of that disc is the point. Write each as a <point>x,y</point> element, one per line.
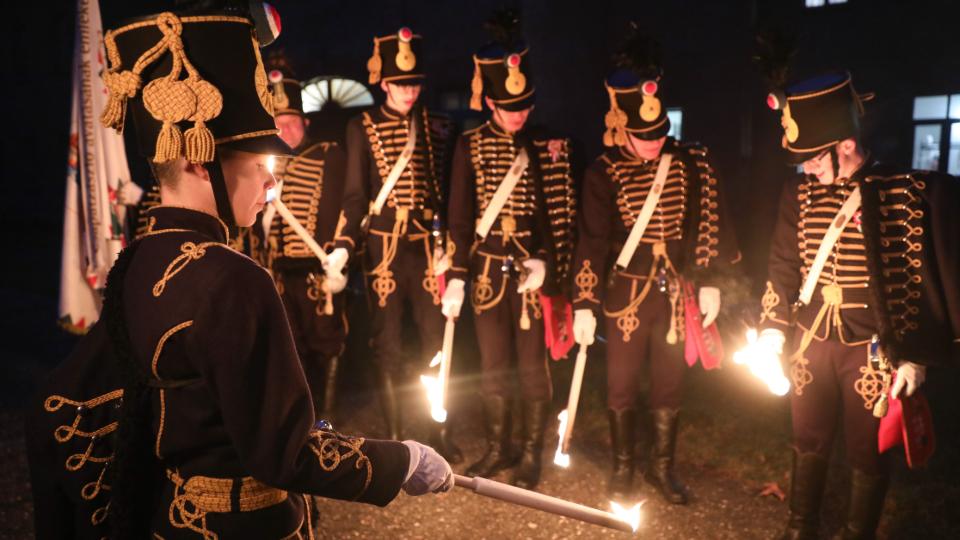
<point>676,122</point>
<point>327,91</point>
<point>821,3</point>
<point>936,133</point>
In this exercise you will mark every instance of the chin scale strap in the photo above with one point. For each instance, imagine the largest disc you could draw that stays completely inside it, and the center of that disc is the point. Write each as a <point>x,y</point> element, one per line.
<point>222,197</point>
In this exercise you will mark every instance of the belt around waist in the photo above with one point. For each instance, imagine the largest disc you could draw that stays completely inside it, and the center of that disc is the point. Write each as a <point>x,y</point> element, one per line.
<point>209,494</point>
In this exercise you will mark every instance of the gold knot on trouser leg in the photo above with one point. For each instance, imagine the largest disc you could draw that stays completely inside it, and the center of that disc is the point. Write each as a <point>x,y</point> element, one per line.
<point>832,299</point>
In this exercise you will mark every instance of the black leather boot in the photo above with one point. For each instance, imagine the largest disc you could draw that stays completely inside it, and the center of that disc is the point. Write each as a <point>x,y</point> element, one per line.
<point>390,404</point>
<point>441,439</point>
<point>622,435</point>
<point>327,406</point>
<point>660,473</point>
<point>806,491</point>
<point>867,492</point>
<point>527,474</point>
<point>499,456</point>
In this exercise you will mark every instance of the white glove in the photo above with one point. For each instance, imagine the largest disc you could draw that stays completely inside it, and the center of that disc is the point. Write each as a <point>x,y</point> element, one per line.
<point>709,304</point>
<point>537,272</point>
<point>428,472</point>
<point>335,262</point>
<point>129,193</point>
<point>441,263</point>
<point>335,283</point>
<point>762,357</point>
<point>452,299</point>
<point>910,375</point>
<point>584,326</point>
<point>772,340</point>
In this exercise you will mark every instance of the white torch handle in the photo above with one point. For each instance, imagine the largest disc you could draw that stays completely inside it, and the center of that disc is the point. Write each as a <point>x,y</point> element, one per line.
<point>446,358</point>
<point>574,400</point>
<point>539,501</point>
<point>298,228</point>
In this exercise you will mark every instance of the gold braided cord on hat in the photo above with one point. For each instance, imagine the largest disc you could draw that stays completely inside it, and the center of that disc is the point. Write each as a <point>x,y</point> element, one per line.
<point>260,79</point>
<point>476,86</point>
<point>375,63</point>
<point>280,99</point>
<point>615,121</point>
<point>168,99</point>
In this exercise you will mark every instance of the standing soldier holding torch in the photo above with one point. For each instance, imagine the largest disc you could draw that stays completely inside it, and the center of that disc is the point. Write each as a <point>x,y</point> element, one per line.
<point>654,205</point>
<point>511,204</point>
<point>863,277</point>
<point>311,187</point>
<point>184,413</point>
<point>392,201</point>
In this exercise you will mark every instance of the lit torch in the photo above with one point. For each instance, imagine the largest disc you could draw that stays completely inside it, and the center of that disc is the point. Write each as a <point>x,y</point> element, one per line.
<point>763,364</point>
<point>568,416</point>
<point>437,386</point>
<point>629,515</point>
<point>628,520</point>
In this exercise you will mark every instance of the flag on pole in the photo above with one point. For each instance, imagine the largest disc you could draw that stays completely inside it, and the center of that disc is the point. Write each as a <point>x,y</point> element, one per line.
<point>98,182</point>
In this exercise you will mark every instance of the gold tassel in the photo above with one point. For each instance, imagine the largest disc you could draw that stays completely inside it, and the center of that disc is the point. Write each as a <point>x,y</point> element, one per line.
<point>328,304</point>
<point>200,145</point>
<point>615,120</point>
<point>524,315</point>
<point>169,143</point>
<point>375,64</point>
<point>112,116</point>
<point>121,86</point>
<point>476,87</point>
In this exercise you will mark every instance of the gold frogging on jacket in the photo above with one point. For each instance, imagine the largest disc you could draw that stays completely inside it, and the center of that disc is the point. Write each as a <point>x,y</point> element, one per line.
<point>168,99</point>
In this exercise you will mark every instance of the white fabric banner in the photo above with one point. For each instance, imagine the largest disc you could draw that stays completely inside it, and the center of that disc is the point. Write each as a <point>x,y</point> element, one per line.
<point>98,182</point>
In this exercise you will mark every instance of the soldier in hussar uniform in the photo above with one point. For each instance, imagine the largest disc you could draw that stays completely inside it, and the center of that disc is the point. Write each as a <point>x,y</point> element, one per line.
<point>396,165</point>
<point>184,413</point>
<point>862,278</point>
<point>511,203</point>
<point>634,274</point>
<point>310,185</point>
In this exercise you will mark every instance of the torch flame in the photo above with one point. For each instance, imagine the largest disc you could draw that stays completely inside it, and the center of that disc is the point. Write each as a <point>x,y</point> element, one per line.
<point>434,386</point>
<point>271,163</point>
<point>630,516</point>
<point>435,397</point>
<point>763,364</point>
<point>559,458</point>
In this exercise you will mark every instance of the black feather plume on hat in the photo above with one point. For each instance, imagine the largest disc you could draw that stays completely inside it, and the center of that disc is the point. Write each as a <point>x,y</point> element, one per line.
<point>504,27</point>
<point>639,53</point>
<point>774,49</point>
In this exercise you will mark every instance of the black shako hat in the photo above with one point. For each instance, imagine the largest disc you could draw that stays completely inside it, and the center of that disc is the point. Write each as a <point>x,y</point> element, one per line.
<point>633,88</point>
<point>396,58</point>
<point>284,85</point>
<point>501,68</point>
<point>192,82</point>
<point>817,113</point>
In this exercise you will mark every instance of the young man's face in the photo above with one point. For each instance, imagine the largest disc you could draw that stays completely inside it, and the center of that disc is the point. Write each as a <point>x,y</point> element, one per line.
<point>401,97</point>
<point>292,128</point>
<point>820,166</point>
<point>248,177</point>
<point>646,149</point>
<point>510,121</point>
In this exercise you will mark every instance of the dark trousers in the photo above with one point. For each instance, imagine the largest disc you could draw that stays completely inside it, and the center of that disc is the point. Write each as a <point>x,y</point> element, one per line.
<point>828,396</point>
<point>645,347</point>
<point>502,342</point>
<point>315,333</point>
<point>405,284</point>
<point>318,337</point>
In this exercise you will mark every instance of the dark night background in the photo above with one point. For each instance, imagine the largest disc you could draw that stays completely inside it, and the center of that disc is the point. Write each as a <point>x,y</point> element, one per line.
<point>898,49</point>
